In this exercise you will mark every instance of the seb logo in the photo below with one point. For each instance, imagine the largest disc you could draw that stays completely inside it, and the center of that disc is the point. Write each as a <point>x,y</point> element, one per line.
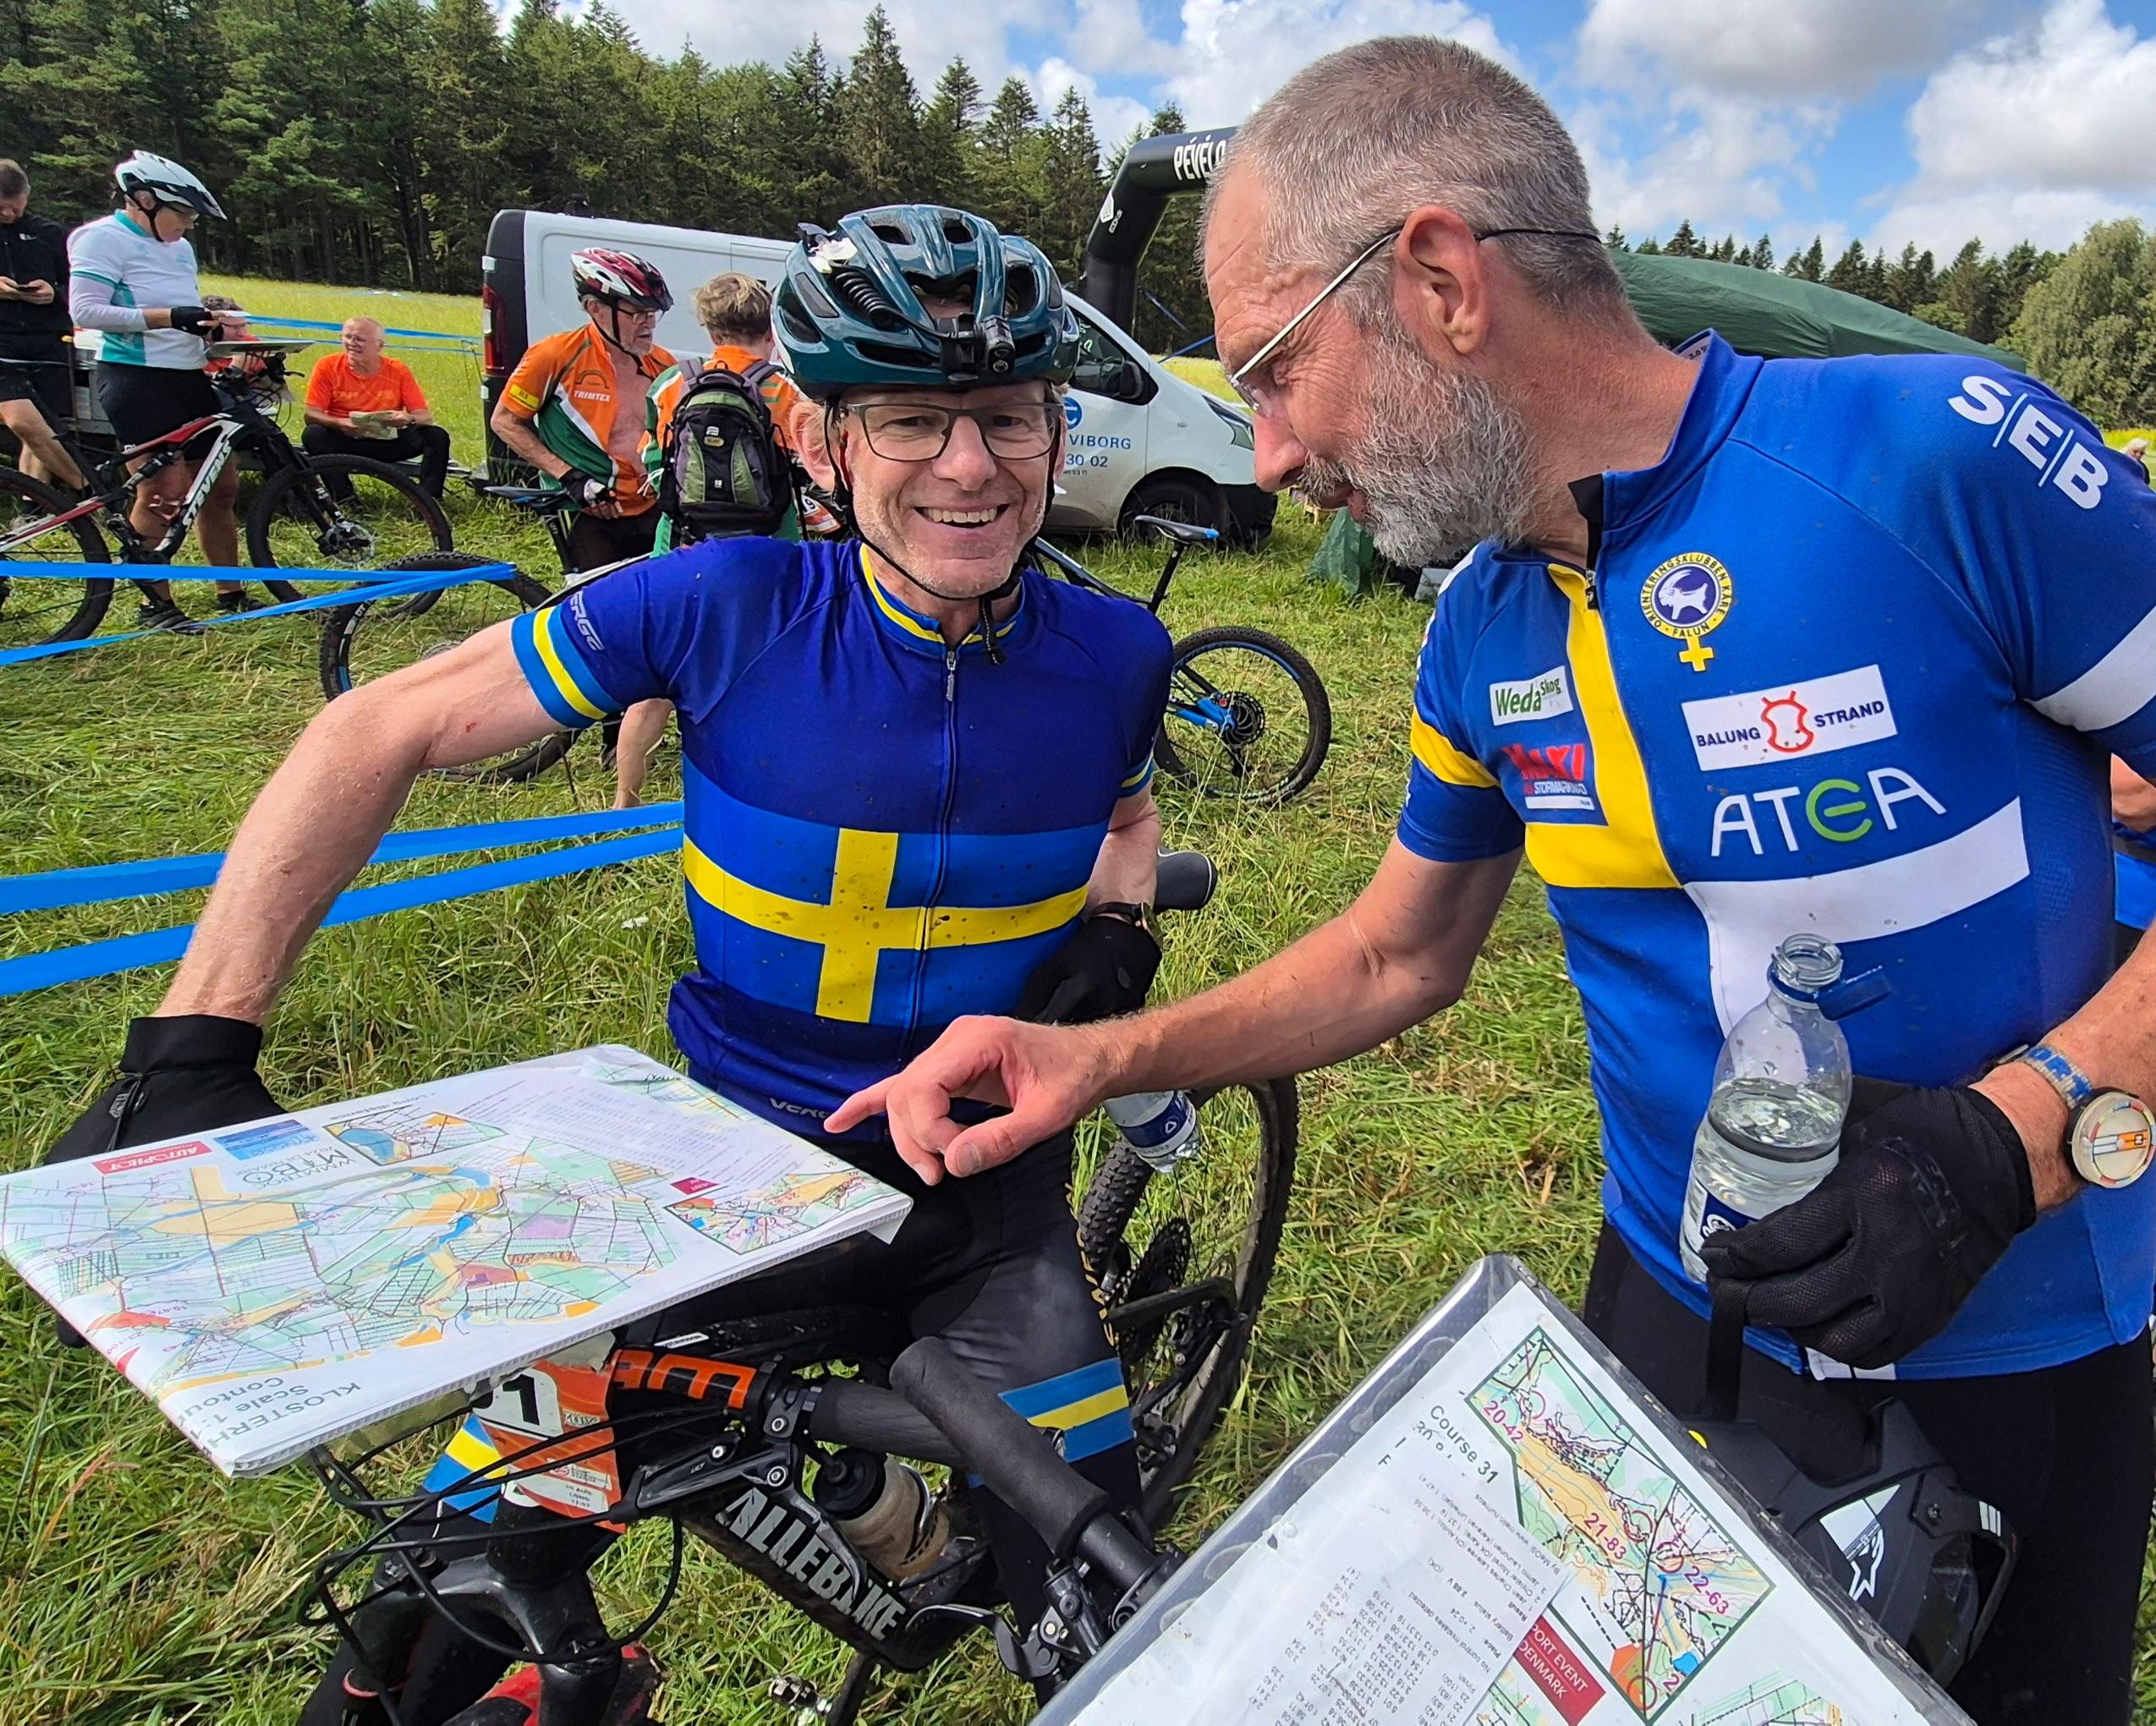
<point>1840,811</point>
<point>1813,717</point>
<point>2062,458</point>
<point>1553,777</point>
<point>1531,698</point>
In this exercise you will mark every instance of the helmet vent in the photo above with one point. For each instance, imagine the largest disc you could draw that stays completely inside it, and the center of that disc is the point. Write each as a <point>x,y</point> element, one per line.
<point>891,233</point>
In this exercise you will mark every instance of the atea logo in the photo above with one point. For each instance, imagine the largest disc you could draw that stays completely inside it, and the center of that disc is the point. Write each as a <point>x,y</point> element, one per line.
<point>1836,810</point>
<point>1811,716</point>
<point>1552,776</point>
<point>2062,458</point>
<point>1543,697</point>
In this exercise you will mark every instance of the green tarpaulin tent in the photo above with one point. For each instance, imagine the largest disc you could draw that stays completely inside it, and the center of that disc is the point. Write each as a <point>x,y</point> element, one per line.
<point>1761,311</point>
<point>1755,312</point>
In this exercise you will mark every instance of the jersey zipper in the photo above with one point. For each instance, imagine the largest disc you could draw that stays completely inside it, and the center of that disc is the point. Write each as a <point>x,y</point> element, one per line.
<point>943,834</point>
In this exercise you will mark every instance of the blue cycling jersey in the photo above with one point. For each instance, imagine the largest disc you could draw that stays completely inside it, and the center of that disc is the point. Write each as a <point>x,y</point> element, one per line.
<point>1849,661</point>
<point>881,832</point>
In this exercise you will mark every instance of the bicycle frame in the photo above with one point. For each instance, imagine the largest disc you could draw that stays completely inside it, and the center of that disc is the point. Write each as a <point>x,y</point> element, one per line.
<point>1072,571</point>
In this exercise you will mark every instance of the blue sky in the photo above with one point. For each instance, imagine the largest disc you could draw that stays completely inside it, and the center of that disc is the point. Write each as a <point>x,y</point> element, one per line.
<point>1879,120</point>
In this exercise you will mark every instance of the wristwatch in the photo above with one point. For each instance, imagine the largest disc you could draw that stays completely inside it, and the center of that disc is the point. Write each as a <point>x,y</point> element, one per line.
<point>2111,1134</point>
<point>1138,916</point>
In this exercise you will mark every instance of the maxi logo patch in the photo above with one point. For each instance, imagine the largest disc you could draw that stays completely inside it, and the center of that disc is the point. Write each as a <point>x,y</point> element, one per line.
<point>1812,716</point>
<point>1544,697</point>
<point>1685,598</point>
<point>1552,775</point>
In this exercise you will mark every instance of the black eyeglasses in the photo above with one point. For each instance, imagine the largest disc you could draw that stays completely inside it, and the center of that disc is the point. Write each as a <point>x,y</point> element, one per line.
<point>1258,393</point>
<point>919,431</point>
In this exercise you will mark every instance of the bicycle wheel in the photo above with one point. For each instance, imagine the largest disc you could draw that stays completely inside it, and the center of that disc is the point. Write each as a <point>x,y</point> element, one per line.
<point>1247,717</point>
<point>33,612</point>
<point>372,638</point>
<point>1183,1259</point>
<point>342,512</point>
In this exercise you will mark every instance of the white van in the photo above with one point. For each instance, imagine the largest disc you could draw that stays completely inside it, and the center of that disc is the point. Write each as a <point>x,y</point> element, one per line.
<point>1141,439</point>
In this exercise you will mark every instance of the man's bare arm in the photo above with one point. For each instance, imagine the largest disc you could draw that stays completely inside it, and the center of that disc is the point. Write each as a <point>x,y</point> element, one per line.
<point>327,806</point>
<point>1129,865</point>
<point>516,431</point>
<point>1402,951</point>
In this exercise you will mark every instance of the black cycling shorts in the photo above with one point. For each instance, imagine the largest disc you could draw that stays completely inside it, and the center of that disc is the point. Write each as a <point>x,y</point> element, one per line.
<point>144,401</point>
<point>40,374</point>
<point>2066,1452</point>
<point>597,541</point>
<point>990,1264</point>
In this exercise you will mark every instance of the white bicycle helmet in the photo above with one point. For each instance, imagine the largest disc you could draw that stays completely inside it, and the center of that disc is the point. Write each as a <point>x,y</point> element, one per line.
<point>168,182</point>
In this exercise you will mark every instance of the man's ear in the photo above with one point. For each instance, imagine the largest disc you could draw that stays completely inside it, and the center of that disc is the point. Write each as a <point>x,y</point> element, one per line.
<point>810,432</point>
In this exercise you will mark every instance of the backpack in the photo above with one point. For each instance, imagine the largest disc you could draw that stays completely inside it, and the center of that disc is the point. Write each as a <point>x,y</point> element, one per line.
<point>722,472</point>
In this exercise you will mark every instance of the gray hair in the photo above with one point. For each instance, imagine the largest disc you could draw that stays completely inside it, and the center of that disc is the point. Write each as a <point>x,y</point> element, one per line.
<point>1355,141</point>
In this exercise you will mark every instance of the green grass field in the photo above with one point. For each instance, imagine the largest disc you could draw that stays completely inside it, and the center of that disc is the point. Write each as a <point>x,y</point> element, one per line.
<point>137,1586</point>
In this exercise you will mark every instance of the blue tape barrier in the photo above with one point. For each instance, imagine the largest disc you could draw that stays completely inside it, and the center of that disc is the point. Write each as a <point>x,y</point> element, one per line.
<point>1190,347</point>
<point>77,964</point>
<point>425,581</point>
<point>100,883</point>
<point>470,342</point>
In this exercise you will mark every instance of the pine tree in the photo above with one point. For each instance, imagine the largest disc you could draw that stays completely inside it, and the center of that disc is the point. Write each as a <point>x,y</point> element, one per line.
<point>1649,247</point>
<point>1724,251</point>
<point>1684,243</point>
<point>949,126</point>
<point>1614,240</point>
<point>1763,253</point>
<point>880,118</point>
<point>1072,183</point>
<point>800,142</point>
<point>1008,160</point>
<point>1809,265</point>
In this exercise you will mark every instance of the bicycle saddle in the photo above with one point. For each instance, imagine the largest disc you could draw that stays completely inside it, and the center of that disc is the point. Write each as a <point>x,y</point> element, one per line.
<point>536,498</point>
<point>1182,533</point>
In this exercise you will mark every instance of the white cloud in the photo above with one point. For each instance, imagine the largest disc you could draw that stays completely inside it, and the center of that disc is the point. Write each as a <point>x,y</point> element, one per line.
<point>2066,103</point>
<point>1786,48</point>
<point>1720,162</point>
<point>2031,135</point>
<point>1235,53</point>
<point>1115,118</point>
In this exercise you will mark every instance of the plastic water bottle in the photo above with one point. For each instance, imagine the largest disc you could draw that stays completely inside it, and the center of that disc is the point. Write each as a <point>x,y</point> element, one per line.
<point>1773,1126</point>
<point>1161,1125</point>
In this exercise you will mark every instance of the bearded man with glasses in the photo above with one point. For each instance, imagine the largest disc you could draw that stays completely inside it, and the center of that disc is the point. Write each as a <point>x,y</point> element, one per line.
<point>1747,649</point>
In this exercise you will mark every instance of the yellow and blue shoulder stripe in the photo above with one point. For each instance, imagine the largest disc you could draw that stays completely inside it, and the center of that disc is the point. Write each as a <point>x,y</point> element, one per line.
<point>556,668</point>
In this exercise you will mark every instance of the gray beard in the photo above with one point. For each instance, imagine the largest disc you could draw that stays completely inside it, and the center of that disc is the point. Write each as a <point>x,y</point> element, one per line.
<point>1445,464</point>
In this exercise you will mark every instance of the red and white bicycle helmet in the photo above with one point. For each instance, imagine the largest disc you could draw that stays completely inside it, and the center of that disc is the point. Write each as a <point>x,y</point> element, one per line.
<point>621,279</point>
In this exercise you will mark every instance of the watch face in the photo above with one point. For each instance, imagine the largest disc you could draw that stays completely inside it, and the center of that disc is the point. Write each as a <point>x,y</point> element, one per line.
<point>2113,1138</point>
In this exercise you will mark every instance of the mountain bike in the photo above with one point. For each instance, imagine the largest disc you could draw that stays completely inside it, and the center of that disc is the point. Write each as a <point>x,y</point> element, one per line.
<point>310,511</point>
<point>756,1436</point>
<point>1247,715</point>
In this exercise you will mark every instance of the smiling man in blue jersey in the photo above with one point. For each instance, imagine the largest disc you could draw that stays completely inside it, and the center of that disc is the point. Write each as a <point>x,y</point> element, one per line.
<point>917,777</point>
<point>1749,650</point>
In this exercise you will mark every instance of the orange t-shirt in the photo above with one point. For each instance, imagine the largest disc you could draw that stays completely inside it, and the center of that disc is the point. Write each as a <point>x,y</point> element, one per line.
<point>333,387</point>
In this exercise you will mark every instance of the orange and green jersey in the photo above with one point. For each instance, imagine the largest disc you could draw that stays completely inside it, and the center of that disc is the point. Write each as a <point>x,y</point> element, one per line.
<point>565,385</point>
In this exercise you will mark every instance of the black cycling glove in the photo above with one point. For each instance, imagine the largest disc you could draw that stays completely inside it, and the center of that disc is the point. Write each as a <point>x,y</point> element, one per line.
<point>194,320</point>
<point>1932,1186</point>
<point>585,490</point>
<point>188,1073</point>
<point>1104,969</point>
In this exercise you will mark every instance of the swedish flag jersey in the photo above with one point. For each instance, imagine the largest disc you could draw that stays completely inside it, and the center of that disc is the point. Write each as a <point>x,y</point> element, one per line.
<point>1850,661</point>
<point>881,833</point>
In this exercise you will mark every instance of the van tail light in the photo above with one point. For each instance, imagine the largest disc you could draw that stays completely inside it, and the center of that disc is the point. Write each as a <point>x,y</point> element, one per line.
<point>489,316</point>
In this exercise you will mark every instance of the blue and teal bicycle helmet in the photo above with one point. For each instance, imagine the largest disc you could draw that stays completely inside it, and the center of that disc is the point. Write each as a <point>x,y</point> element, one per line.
<point>850,309</point>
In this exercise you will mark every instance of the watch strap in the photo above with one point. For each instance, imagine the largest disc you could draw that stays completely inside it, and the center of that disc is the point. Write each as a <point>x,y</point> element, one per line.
<point>2074,1087</point>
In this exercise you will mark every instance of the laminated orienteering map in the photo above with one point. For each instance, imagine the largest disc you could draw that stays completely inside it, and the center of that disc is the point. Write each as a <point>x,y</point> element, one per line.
<point>277,1284</point>
<point>1491,1531</point>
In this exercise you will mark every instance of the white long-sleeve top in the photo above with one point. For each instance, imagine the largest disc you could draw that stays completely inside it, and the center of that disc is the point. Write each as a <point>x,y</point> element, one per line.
<point>115,270</point>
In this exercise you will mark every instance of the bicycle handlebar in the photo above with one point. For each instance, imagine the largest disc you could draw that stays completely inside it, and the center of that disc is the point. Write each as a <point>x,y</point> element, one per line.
<point>1017,1462</point>
<point>871,1418</point>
